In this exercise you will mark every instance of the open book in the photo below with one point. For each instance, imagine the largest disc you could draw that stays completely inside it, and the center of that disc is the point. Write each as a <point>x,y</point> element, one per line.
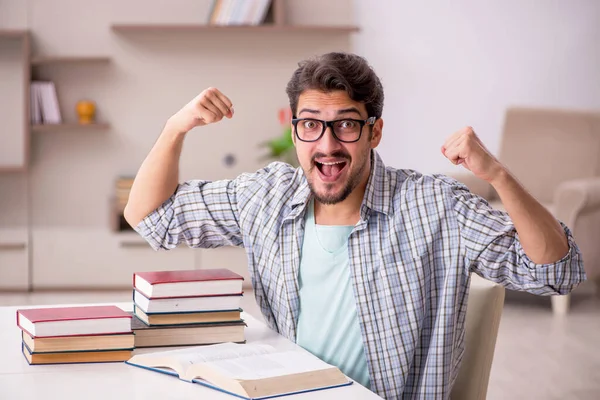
<point>249,371</point>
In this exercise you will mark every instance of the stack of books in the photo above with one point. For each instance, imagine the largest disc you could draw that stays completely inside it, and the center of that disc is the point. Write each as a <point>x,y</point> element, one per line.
<point>187,307</point>
<point>122,189</point>
<point>44,103</point>
<point>84,334</point>
<point>238,12</point>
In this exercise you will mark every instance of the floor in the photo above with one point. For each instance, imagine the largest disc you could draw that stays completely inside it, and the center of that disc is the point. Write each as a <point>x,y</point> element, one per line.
<point>538,355</point>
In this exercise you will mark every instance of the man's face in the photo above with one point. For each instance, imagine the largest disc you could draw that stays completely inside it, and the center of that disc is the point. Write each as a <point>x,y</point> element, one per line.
<point>333,168</point>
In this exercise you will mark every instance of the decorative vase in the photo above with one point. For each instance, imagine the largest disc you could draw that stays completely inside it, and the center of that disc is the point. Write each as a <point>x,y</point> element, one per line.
<point>86,110</point>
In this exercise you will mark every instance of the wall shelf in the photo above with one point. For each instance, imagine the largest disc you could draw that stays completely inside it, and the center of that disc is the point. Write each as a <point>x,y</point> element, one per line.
<point>13,33</point>
<point>274,28</point>
<point>68,126</point>
<point>47,60</point>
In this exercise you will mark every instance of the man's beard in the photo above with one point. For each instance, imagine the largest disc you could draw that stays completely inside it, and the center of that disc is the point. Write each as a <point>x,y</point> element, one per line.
<point>353,180</point>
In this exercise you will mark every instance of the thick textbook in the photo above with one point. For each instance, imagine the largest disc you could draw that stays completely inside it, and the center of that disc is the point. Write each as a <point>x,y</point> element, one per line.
<point>248,371</point>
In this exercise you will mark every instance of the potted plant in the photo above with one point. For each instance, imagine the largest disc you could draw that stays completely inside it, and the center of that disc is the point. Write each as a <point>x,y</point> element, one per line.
<point>281,148</point>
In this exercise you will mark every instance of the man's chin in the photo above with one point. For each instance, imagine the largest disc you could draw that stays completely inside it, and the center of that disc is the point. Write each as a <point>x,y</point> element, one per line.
<point>326,194</point>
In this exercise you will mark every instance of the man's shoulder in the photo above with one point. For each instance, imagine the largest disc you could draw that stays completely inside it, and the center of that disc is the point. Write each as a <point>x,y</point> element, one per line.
<point>277,184</point>
<point>274,173</point>
<point>410,179</point>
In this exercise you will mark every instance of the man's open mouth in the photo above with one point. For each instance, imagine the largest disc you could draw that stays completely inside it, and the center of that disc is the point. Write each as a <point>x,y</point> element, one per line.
<point>330,171</point>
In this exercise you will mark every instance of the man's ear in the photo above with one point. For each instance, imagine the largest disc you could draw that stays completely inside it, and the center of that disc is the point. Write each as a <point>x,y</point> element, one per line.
<point>377,132</point>
<point>292,133</point>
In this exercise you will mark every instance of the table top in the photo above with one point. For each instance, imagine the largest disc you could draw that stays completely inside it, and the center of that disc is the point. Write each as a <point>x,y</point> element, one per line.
<point>19,380</point>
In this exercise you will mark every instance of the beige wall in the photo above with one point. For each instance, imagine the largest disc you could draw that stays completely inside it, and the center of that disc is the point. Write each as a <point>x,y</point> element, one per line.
<point>150,76</point>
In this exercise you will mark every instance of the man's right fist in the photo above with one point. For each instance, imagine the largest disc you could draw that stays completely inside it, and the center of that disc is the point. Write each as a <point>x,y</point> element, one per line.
<point>208,107</point>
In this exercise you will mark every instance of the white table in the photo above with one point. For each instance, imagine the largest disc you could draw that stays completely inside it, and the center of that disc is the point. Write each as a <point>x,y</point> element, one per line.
<point>114,381</point>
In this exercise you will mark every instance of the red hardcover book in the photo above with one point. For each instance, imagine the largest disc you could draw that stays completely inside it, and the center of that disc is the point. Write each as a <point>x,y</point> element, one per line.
<point>73,321</point>
<point>188,283</point>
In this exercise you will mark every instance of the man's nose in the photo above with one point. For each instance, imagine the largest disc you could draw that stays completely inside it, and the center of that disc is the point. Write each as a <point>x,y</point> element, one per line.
<point>328,141</point>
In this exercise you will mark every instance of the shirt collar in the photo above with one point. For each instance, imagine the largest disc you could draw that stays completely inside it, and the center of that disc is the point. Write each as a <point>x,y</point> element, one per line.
<point>377,194</point>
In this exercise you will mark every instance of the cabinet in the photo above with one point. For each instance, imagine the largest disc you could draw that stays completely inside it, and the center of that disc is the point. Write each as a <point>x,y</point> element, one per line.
<point>94,258</point>
<point>69,258</point>
<point>14,259</point>
<point>14,87</point>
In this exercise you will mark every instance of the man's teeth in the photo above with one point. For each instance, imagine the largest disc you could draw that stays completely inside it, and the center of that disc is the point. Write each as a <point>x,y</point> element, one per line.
<point>332,163</point>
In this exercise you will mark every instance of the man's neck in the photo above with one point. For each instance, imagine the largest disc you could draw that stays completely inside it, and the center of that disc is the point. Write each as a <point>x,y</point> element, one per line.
<point>346,212</point>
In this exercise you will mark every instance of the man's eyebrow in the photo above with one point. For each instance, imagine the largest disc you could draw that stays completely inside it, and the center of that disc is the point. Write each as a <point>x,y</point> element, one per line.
<point>349,110</point>
<point>339,112</point>
<point>309,110</point>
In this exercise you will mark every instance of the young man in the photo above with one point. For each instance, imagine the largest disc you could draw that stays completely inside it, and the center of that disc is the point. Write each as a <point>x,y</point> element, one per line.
<point>364,265</point>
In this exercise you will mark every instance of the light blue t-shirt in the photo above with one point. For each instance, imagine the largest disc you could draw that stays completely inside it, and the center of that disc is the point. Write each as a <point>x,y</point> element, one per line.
<point>328,323</point>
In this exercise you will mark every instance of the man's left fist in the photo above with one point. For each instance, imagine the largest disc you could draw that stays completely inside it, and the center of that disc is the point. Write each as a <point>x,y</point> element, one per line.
<point>464,147</point>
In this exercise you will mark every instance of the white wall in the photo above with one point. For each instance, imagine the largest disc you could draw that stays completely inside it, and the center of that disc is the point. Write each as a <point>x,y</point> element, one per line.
<point>447,64</point>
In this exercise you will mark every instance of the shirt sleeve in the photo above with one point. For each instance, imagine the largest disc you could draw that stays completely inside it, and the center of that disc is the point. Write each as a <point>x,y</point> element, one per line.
<point>493,250</point>
<point>199,214</point>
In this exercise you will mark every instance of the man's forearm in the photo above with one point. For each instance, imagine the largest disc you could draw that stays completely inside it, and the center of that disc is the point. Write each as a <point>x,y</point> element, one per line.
<point>542,237</point>
<point>157,178</point>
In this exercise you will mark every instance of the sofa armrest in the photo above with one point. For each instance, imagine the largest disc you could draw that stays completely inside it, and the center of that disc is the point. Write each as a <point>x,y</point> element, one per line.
<point>576,197</point>
<point>475,185</point>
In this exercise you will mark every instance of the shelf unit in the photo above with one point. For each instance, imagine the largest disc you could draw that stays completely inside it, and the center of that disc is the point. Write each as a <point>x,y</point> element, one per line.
<point>69,127</point>
<point>14,33</point>
<point>275,22</point>
<point>55,254</point>
<point>268,28</point>
<point>43,61</point>
<point>52,60</point>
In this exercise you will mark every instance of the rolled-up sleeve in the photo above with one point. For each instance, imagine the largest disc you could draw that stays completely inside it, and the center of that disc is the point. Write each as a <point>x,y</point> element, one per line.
<point>492,249</point>
<point>199,214</point>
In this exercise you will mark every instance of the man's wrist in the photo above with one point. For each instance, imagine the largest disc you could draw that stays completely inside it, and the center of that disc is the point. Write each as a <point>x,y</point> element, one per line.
<point>500,179</point>
<point>172,131</point>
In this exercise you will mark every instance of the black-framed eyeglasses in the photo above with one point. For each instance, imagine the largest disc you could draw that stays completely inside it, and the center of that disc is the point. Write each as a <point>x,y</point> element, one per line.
<point>345,130</point>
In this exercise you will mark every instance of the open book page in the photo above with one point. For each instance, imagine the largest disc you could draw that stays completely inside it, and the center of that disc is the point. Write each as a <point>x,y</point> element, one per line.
<point>267,365</point>
<point>223,351</point>
<point>181,360</point>
<point>247,370</point>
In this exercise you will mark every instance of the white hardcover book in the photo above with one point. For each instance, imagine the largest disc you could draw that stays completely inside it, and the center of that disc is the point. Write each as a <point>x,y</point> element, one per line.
<point>224,12</point>
<point>248,10</point>
<point>261,12</point>
<point>35,111</point>
<point>55,117</point>
<point>42,94</point>
<point>187,304</point>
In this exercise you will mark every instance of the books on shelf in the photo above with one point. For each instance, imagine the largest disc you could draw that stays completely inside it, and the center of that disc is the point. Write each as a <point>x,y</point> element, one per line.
<point>44,103</point>
<point>122,188</point>
<point>250,371</point>
<point>238,12</point>
<point>58,335</point>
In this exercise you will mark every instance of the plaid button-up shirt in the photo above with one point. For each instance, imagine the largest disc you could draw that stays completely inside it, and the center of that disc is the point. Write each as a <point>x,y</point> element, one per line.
<point>411,254</point>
